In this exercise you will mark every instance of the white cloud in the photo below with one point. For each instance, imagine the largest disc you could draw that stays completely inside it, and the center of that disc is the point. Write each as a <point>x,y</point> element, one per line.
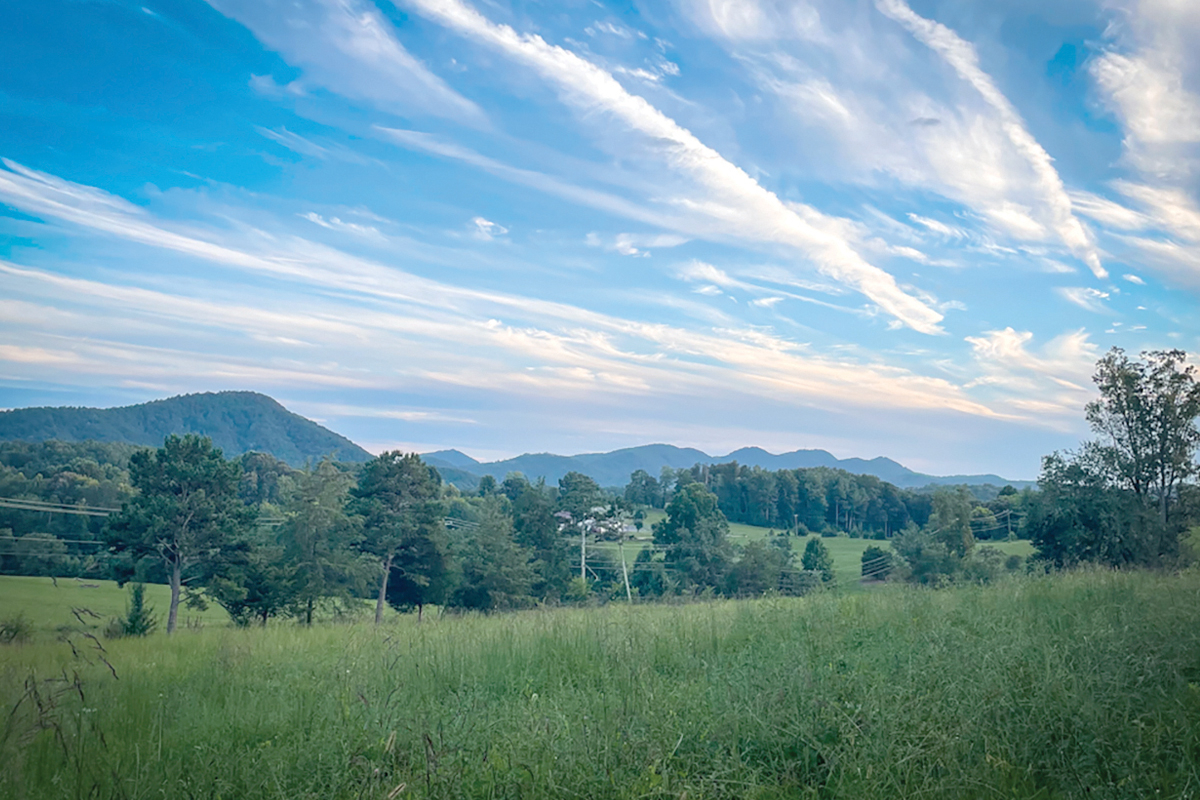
<point>336,224</point>
<point>941,228</point>
<point>749,20</point>
<point>326,151</point>
<point>1108,212</point>
<point>267,85</point>
<point>1150,98</point>
<point>866,106</point>
<point>348,47</point>
<point>486,230</point>
<point>730,197</point>
<point>767,302</point>
<point>1134,279</point>
<point>962,57</point>
<point>1168,208</point>
<point>418,140</point>
<point>375,412</point>
<point>366,319</point>
<point>613,29</point>
<point>1054,382</point>
<point>1179,263</point>
<point>1086,298</point>
<point>635,244</point>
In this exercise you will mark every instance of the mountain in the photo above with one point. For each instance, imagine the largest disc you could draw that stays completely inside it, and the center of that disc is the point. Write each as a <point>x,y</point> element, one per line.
<point>237,422</point>
<point>613,469</point>
<point>450,458</point>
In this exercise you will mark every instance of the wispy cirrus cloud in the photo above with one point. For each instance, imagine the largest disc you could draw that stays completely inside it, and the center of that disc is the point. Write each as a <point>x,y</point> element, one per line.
<point>1053,381</point>
<point>730,198</point>
<point>1149,75</point>
<point>347,47</point>
<point>365,310</point>
<point>962,57</point>
<point>1085,297</point>
<point>878,109</point>
<point>325,151</point>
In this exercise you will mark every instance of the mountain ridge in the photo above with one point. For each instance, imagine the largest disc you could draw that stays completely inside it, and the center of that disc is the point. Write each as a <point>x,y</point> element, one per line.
<point>240,422</point>
<point>236,421</point>
<point>613,468</point>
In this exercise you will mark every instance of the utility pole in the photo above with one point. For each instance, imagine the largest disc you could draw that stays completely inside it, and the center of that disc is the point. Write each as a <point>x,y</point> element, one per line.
<point>624,569</point>
<point>583,552</point>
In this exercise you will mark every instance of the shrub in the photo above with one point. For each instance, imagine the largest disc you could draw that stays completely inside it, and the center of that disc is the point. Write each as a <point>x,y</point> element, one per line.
<point>816,558</point>
<point>139,619</point>
<point>16,630</point>
<point>877,563</point>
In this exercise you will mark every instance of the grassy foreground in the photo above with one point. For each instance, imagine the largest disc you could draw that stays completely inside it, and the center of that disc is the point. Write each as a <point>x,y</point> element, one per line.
<point>1065,686</point>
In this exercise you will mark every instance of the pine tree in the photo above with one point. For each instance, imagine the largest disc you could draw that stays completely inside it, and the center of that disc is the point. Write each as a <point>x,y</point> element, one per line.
<point>816,558</point>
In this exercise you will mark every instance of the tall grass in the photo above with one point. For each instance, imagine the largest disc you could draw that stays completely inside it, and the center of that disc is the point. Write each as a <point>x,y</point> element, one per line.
<point>1064,686</point>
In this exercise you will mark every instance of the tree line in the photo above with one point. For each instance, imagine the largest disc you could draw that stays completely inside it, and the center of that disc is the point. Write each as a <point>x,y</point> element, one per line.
<point>265,540</point>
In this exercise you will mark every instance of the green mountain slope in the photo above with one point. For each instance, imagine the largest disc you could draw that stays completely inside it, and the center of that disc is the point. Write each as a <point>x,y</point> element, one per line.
<point>237,422</point>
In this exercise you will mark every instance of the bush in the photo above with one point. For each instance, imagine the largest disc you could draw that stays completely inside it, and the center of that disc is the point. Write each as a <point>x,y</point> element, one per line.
<point>877,563</point>
<point>802,582</point>
<point>16,630</point>
<point>139,619</point>
<point>816,558</point>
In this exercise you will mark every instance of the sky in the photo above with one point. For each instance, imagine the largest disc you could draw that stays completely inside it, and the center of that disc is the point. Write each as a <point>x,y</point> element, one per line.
<point>876,228</point>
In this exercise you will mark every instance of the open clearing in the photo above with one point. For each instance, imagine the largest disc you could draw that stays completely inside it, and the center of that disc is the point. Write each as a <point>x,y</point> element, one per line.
<point>1074,685</point>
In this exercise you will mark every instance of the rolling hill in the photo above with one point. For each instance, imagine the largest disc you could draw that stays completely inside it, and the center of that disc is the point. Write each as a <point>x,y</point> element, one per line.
<point>237,422</point>
<point>614,468</point>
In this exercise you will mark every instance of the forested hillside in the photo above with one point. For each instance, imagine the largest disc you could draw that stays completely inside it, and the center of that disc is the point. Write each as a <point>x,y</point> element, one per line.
<point>237,422</point>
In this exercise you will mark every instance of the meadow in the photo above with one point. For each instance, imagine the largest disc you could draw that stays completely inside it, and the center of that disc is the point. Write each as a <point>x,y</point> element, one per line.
<point>845,552</point>
<point>1069,685</point>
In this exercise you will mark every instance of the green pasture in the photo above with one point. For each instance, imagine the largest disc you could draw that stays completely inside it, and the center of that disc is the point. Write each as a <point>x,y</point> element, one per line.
<point>845,551</point>
<point>1063,686</point>
<point>48,604</point>
<point>53,607</point>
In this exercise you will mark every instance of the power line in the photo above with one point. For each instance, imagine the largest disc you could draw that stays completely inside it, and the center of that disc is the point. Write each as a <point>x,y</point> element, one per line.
<point>62,509</point>
<point>53,503</point>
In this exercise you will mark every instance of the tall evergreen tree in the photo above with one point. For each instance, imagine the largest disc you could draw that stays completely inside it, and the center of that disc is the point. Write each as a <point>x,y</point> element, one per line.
<point>695,536</point>
<point>816,558</point>
<point>536,529</point>
<point>186,511</point>
<point>398,498</point>
<point>951,520</point>
<point>496,573</point>
<point>316,537</point>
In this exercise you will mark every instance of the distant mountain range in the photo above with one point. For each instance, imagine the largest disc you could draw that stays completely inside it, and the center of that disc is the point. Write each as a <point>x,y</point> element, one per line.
<point>240,422</point>
<point>613,469</point>
<point>237,422</point>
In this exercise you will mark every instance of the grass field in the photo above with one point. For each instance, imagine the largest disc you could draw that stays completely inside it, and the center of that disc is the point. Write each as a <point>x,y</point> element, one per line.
<point>1079,685</point>
<point>47,606</point>
<point>845,552</point>
<point>50,606</point>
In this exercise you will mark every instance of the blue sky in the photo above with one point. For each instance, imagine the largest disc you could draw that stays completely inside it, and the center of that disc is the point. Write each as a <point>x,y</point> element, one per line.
<point>872,227</point>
